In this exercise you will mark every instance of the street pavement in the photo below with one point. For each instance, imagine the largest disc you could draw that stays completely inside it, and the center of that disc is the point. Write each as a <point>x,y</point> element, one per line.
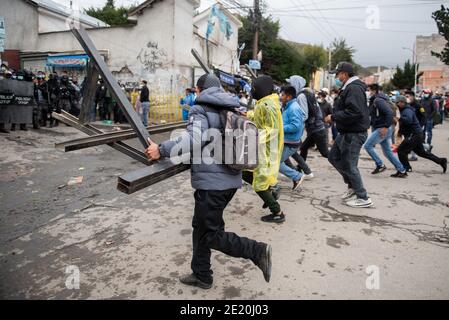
<point>136,246</point>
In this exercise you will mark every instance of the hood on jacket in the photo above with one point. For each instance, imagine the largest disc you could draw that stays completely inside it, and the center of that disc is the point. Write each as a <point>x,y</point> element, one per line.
<point>380,95</point>
<point>297,82</point>
<point>217,97</point>
<point>262,86</point>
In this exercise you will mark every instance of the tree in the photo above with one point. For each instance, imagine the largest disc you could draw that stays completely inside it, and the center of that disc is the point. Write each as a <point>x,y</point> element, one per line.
<point>315,57</point>
<point>110,14</point>
<point>341,52</point>
<point>404,78</point>
<point>441,17</point>
<point>281,58</point>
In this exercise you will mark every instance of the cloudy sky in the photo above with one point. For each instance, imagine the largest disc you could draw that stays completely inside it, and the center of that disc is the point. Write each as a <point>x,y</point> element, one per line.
<point>378,30</point>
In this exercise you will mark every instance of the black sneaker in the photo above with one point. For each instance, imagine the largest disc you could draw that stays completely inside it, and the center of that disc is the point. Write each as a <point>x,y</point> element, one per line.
<point>297,184</point>
<point>444,165</point>
<point>399,175</point>
<point>192,280</point>
<point>276,218</point>
<point>264,263</point>
<point>276,196</point>
<point>409,170</point>
<point>380,169</point>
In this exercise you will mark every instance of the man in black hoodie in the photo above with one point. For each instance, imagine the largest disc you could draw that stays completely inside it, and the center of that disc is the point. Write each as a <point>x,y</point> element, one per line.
<point>413,134</point>
<point>382,131</point>
<point>352,117</point>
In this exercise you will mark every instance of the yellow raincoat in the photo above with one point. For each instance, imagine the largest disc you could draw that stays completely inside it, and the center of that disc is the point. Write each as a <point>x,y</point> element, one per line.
<point>267,117</point>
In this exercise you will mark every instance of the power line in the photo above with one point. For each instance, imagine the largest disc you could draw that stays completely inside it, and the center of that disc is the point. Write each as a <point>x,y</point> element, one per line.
<point>346,19</point>
<point>356,7</point>
<point>324,32</point>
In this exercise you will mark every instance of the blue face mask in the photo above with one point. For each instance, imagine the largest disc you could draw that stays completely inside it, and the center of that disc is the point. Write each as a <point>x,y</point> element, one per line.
<point>338,83</point>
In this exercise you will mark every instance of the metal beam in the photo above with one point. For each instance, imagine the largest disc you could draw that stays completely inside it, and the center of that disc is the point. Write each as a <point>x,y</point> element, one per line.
<point>250,71</point>
<point>91,131</point>
<point>116,91</point>
<point>105,138</point>
<point>198,58</point>
<point>145,177</point>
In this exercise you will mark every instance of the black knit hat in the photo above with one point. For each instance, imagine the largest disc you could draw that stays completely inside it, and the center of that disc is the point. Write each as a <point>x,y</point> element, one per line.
<point>207,81</point>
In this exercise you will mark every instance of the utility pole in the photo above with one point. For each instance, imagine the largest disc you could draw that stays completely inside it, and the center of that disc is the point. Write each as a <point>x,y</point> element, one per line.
<point>256,24</point>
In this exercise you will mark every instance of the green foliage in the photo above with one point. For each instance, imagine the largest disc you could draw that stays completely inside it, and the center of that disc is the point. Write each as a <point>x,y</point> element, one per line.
<point>441,17</point>
<point>404,78</point>
<point>315,57</point>
<point>281,58</point>
<point>341,52</point>
<point>112,15</point>
<point>388,87</point>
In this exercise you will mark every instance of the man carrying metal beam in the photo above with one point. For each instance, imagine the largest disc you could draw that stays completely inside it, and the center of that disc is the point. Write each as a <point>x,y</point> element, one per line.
<point>215,185</point>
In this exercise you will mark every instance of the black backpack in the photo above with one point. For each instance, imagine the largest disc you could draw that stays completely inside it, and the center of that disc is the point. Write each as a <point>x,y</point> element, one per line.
<point>242,153</point>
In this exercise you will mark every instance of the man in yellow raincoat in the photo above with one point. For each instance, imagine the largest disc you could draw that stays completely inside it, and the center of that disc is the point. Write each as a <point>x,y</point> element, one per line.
<point>267,117</point>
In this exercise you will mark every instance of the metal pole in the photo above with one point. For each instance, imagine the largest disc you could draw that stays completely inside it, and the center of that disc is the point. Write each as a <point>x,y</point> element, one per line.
<point>256,29</point>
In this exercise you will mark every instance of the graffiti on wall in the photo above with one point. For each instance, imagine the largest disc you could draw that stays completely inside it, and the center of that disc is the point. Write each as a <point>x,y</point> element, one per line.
<point>152,57</point>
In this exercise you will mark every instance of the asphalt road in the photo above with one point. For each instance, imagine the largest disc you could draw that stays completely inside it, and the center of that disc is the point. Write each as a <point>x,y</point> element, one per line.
<point>136,246</point>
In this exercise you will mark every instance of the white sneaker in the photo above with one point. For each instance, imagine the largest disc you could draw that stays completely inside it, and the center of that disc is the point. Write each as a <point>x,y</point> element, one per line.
<point>360,203</point>
<point>348,194</point>
<point>309,176</point>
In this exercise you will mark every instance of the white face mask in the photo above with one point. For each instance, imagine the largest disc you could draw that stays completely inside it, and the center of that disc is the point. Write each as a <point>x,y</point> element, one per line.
<point>320,100</point>
<point>409,100</point>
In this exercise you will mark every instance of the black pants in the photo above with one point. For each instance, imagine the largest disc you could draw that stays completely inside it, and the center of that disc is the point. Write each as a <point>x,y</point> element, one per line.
<point>209,233</point>
<point>317,138</point>
<point>415,143</point>
<point>302,165</point>
<point>105,109</point>
<point>267,196</point>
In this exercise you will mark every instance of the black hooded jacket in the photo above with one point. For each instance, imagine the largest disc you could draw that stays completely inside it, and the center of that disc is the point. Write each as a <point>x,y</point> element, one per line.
<point>381,113</point>
<point>351,113</point>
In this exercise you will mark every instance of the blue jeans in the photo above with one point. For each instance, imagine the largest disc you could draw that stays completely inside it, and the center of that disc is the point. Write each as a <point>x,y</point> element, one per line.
<point>429,128</point>
<point>285,169</point>
<point>344,156</point>
<point>145,112</point>
<point>384,142</point>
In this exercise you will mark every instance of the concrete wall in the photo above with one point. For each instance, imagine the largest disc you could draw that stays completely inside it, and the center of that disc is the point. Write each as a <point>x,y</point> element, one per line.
<point>222,52</point>
<point>21,23</point>
<point>156,49</point>
<point>436,73</point>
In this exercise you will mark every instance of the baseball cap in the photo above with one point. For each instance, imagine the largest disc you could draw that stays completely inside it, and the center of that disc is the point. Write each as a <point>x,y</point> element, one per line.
<point>343,67</point>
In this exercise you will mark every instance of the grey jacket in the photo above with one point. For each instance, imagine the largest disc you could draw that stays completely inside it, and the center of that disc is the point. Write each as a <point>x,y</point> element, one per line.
<point>205,176</point>
<point>299,83</point>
